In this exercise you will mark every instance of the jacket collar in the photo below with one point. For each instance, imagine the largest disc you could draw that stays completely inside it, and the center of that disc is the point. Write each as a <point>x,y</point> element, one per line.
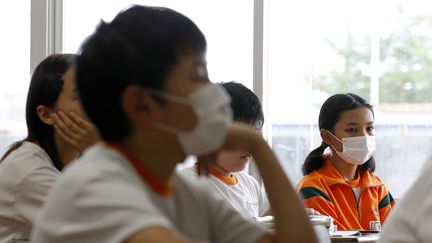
<point>332,176</point>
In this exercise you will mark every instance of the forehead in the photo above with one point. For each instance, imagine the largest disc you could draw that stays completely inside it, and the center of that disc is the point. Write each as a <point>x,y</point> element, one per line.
<point>69,80</point>
<point>360,115</point>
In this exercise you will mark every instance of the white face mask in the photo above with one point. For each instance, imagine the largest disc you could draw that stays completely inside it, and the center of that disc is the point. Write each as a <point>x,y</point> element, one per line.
<point>356,150</point>
<point>211,105</point>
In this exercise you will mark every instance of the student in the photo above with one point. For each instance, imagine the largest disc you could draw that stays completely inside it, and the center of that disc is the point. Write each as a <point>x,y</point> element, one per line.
<point>56,135</point>
<point>342,184</point>
<point>143,82</point>
<point>226,177</point>
<point>411,220</point>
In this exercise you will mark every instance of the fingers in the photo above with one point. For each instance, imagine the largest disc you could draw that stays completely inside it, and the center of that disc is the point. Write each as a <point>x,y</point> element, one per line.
<point>80,122</point>
<point>64,136</point>
<point>65,126</point>
<point>75,130</point>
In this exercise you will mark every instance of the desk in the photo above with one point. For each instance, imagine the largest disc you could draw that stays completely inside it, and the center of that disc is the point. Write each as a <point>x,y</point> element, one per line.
<point>370,238</point>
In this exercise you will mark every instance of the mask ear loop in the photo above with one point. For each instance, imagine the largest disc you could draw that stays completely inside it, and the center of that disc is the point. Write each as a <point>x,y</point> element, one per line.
<point>337,140</point>
<point>168,96</point>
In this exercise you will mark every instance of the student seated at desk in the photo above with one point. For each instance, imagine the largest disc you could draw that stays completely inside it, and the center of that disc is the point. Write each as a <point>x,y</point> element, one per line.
<point>31,167</point>
<point>226,177</point>
<point>342,184</point>
<point>143,81</point>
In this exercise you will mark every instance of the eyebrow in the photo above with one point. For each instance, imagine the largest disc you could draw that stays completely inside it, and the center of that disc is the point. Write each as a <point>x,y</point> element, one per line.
<point>355,123</point>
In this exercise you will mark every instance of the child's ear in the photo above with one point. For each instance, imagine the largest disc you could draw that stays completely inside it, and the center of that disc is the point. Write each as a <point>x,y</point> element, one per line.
<point>138,105</point>
<point>325,136</point>
<point>44,114</point>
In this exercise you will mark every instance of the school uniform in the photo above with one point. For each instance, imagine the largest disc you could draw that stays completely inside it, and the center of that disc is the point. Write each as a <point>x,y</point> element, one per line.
<point>242,191</point>
<point>26,177</point>
<point>412,218</point>
<point>108,196</point>
<point>352,204</point>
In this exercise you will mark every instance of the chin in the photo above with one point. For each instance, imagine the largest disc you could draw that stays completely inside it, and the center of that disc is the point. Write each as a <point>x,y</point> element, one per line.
<point>239,168</point>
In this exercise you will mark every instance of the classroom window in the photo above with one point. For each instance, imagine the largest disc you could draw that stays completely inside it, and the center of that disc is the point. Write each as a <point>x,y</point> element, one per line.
<point>313,49</point>
<point>226,24</point>
<point>15,71</point>
<point>380,50</point>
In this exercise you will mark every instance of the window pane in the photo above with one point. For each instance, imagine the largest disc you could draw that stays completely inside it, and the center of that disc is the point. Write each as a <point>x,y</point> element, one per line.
<point>227,25</point>
<point>15,71</point>
<point>377,49</point>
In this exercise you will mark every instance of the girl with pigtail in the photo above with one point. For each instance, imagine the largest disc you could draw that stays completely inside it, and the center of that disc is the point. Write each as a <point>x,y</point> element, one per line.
<point>340,183</point>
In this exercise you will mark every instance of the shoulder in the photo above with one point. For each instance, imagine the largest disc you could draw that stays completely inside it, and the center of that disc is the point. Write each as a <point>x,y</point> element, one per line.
<point>314,179</point>
<point>188,180</point>
<point>29,162</point>
<point>369,179</point>
<point>214,212</point>
<point>99,165</point>
<point>247,179</point>
<point>28,155</point>
<point>189,171</point>
<point>313,186</point>
<point>197,190</point>
<point>99,183</point>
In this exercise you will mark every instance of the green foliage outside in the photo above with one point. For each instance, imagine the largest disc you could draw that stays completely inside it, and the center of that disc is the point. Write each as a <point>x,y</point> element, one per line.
<point>405,64</point>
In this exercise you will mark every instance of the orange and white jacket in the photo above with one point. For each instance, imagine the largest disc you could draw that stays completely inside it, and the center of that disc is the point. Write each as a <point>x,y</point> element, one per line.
<point>326,191</point>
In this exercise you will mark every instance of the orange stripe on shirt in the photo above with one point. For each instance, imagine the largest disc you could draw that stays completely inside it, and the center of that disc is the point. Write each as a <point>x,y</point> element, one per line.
<point>160,187</point>
<point>232,180</point>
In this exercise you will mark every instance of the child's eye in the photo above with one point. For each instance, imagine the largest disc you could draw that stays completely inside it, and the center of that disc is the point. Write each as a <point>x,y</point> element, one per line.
<point>351,130</point>
<point>370,129</point>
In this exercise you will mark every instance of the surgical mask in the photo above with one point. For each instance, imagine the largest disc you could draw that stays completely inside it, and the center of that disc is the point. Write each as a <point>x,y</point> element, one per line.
<point>356,150</point>
<point>211,105</point>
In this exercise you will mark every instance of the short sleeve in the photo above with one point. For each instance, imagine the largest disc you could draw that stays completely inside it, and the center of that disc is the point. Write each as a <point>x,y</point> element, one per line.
<point>100,211</point>
<point>32,192</point>
<point>229,226</point>
<point>317,198</point>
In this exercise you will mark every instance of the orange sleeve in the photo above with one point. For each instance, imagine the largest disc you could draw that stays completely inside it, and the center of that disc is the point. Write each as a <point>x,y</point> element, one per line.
<point>386,204</point>
<point>317,199</point>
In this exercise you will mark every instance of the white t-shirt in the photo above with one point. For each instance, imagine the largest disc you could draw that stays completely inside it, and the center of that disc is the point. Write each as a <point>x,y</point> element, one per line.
<point>26,176</point>
<point>411,220</point>
<point>247,196</point>
<point>101,198</point>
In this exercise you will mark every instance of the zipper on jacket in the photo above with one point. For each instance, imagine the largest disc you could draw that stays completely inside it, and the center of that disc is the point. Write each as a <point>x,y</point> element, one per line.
<point>357,200</point>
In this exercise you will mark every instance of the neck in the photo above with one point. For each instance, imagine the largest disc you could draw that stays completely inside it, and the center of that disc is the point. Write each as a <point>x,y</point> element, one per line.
<point>158,158</point>
<point>66,152</point>
<point>221,170</point>
<point>347,170</point>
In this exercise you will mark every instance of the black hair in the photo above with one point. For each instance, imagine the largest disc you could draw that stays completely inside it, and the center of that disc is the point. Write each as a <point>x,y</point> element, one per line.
<point>45,87</point>
<point>329,115</point>
<point>140,46</point>
<point>245,104</point>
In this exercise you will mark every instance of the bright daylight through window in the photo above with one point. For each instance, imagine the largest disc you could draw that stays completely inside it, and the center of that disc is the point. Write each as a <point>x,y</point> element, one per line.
<point>380,50</point>
<point>15,72</point>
